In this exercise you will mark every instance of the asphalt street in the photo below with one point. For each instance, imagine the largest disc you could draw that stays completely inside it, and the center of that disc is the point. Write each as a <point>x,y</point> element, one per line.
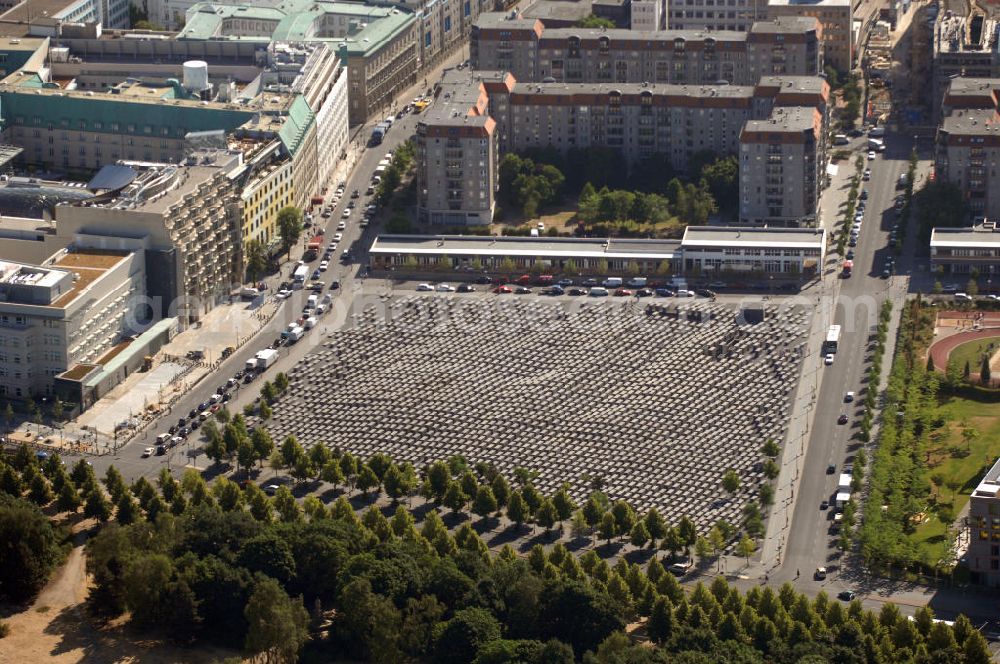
<point>810,542</point>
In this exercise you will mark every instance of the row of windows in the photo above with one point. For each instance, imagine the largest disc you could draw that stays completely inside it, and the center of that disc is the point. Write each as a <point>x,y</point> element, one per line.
<point>98,125</point>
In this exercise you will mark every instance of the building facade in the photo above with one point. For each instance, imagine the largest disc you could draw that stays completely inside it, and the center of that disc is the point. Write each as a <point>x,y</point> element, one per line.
<point>716,250</point>
<point>704,251</point>
<point>457,155</point>
<point>187,220</point>
<point>638,121</point>
<point>75,307</point>
<point>314,71</point>
<point>648,15</point>
<point>715,15</point>
<point>983,555</point>
<point>782,163</point>
<point>533,53</point>
<point>964,46</point>
<point>968,150</point>
<point>959,251</point>
<point>837,20</point>
<point>377,44</point>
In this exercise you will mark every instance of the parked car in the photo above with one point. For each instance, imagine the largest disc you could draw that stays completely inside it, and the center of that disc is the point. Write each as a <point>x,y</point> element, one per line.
<point>445,288</point>
<point>503,288</point>
<point>466,288</point>
<point>521,290</point>
<point>425,287</point>
<point>846,595</point>
<point>147,452</point>
<point>828,359</point>
<point>842,419</point>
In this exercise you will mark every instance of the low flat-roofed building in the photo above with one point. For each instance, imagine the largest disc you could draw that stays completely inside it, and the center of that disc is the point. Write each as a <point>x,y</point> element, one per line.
<point>494,253</point>
<point>962,250</point>
<point>711,250</point>
<point>983,555</point>
<point>72,308</point>
<point>703,251</point>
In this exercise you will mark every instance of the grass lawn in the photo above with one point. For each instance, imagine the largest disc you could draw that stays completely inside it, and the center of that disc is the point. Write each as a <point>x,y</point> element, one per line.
<point>972,352</point>
<point>964,469</point>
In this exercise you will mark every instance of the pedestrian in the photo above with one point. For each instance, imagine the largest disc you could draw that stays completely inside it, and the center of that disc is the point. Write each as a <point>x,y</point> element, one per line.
<point>797,574</point>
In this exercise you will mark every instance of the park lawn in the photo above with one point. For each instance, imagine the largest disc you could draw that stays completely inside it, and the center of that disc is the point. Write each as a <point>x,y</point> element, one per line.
<point>972,352</point>
<point>964,470</point>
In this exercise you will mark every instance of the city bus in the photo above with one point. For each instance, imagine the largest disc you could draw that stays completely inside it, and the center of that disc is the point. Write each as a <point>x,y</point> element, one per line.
<point>832,339</point>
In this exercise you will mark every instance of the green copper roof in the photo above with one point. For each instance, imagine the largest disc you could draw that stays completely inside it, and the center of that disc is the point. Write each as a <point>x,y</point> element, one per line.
<point>293,131</point>
<point>302,20</point>
<point>100,113</point>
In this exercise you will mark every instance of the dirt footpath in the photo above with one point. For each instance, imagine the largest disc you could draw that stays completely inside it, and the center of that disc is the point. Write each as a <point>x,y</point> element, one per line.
<point>55,627</point>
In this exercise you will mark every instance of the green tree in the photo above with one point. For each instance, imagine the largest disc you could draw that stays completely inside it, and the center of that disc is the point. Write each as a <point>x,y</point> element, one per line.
<point>661,621</point>
<point>276,624</point>
<point>546,514</point>
<point>485,503</point>
<point>593,21</point>
<point>731,481</point>
<point>263,444</point>
<point>255,259</point>
<point>462,636</point>
<point>68,500</point>
<point>40,491</point>
<point>639,535</point>
<point>455,498</point>
<point>97,506</point>
<point>31,549</point>
<point>517,509</point>
<point>746,547</point>
<point>608,527</point>
<point>289,227</point>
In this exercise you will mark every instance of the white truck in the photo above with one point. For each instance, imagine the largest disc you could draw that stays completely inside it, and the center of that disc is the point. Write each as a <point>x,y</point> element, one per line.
<point>265,358</point>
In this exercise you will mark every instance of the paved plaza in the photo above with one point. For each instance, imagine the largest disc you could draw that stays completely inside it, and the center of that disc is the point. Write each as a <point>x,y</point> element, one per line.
<point>658,401</point>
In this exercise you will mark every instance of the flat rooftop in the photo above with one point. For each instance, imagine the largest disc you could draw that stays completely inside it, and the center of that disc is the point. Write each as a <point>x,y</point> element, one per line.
<point>795,119</point>
<point>161,186</point>
<point>959,238</point>
<point>475,245</point>
<point>989,486</point>
<point>559,10</point>
<point>89,265</point>
<point>809,3</point>
<point>976,121</point>
<point>728,236</point>
<point>30,9</point>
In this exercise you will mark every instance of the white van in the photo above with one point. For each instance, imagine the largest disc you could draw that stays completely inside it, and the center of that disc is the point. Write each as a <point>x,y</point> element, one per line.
<point>598,291</point>
<point>312,301</point>
<point>612,282</point>
<point>310,323</point>
<point>637,282</point>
